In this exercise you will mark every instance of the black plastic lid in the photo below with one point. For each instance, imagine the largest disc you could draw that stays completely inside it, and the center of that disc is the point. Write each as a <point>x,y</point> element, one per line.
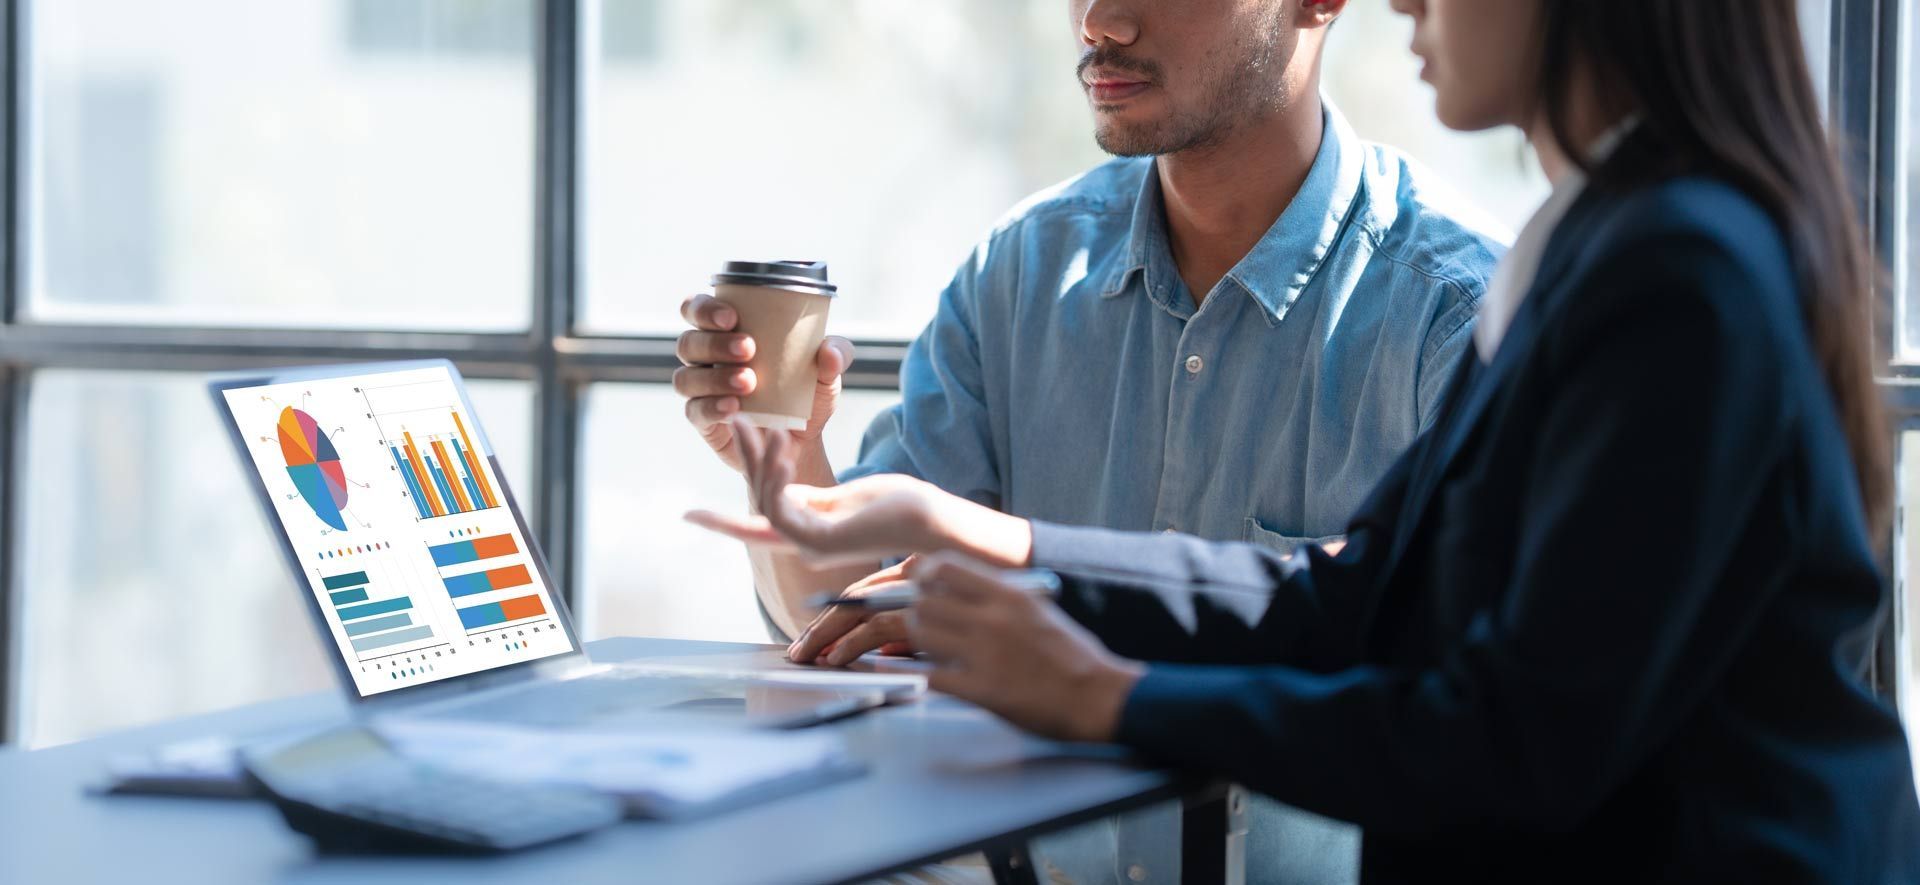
<point>804,276</point>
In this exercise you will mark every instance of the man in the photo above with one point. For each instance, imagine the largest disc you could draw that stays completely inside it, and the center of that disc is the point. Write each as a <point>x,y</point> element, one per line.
<point>1229,331</point>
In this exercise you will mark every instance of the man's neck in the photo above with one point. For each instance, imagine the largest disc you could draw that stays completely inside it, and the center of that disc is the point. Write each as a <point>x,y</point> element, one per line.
<point>1222,199</point>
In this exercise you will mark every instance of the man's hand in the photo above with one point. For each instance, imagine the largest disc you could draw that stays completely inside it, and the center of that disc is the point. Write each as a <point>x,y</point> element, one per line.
<point>841,634</point>
<point>1016,654</point>
<point>715,375</point>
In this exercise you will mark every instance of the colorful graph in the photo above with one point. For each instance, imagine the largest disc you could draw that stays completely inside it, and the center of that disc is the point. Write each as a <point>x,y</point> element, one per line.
<point>443,482</point>
<point>371,625</point>
<point>314,466</point>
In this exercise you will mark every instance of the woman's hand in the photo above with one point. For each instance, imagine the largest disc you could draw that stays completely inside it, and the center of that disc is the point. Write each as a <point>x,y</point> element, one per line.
<point>1015,653</point>
<point>875,517</point>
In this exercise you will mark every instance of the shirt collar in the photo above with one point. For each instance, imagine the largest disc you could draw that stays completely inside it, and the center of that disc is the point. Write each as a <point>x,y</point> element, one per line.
<point>1286,258</point>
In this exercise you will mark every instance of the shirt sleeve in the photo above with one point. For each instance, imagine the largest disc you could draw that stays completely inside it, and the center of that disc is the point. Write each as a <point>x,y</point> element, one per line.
<point>941,430</point>
<point>1449,343</point>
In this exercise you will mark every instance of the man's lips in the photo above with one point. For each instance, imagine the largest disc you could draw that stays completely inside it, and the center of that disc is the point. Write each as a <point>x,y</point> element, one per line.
<point>1107,90</point>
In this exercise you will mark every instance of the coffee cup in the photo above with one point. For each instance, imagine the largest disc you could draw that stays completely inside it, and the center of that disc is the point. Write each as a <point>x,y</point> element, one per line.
<point>783,306</point>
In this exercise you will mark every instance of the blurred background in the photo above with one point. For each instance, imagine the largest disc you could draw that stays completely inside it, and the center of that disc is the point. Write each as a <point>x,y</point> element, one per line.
<point>220,183</point>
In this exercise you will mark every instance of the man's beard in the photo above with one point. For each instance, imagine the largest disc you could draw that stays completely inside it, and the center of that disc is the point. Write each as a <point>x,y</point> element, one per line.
<point>1236,93</point>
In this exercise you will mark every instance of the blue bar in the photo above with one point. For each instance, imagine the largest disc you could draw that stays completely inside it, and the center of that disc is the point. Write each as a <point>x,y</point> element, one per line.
<point>446,491</point>
<point>341,582</point>
<point>473,491</point>
<point>406,473</point>
<point>482,615</point>
<point>395,638</point>
<point>453,554</point>
<point>385,606</point>
<point>378,624</point>
<point>357,594</point>
<point>467,585</point>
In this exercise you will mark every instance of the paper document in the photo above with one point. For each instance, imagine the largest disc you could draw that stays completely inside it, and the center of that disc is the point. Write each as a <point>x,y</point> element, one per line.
<point>672,772</point>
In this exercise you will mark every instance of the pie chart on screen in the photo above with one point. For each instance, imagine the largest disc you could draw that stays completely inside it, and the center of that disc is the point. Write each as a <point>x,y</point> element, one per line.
<point>314,466</point>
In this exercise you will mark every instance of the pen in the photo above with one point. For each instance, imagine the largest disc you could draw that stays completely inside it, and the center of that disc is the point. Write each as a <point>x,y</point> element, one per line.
<point>1039,582</point>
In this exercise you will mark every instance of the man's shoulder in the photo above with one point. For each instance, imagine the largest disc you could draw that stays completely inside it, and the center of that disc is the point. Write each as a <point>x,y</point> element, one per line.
<point>1422,223</point>
<point>1108,190</point>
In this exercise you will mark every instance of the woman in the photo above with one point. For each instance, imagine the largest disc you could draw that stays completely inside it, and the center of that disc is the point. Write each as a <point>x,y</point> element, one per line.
<point>1607,620</point>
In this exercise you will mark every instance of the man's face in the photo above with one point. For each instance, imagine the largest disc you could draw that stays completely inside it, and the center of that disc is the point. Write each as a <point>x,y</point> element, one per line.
<point>1169,77</point>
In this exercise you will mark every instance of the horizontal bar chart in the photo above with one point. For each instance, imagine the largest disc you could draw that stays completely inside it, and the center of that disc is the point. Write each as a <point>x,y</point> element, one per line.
<point>342,597</point>
<point>395,638</point>
<point>362,628</point>
<point>481,582</point>
<point>383,607</point>
<point>470,551</point>
<point>353,579</point>
<point>488,614</point>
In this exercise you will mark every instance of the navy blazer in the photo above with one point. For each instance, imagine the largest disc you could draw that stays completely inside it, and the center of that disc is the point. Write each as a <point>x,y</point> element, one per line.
<point>1606,621</point>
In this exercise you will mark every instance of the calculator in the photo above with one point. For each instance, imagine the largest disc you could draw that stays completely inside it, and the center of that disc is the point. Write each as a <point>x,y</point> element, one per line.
<point>348,791</point>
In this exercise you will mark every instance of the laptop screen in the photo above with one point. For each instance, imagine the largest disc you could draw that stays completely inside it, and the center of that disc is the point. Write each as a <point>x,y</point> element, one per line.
<point>387,492</point>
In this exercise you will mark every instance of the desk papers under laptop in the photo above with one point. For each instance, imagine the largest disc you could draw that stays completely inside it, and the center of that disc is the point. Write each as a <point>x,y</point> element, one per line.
<point>666,773</point>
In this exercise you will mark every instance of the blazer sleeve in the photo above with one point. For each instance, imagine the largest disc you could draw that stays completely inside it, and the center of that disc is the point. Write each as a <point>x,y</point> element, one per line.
<point>1666,406</point>
<point>1177,598</point>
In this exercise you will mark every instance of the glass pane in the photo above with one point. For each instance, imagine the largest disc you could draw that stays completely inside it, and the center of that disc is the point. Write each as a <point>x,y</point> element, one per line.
<point>151,586</point>
<point>645,571</point>
<point>342,163</point>
<point>914,126</point>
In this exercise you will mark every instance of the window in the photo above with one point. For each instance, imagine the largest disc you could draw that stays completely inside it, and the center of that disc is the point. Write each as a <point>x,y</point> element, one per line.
<point>368,170</point>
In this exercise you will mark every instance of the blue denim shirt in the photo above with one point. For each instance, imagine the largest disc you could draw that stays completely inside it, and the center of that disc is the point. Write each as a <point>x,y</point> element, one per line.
<point>1068,375</point>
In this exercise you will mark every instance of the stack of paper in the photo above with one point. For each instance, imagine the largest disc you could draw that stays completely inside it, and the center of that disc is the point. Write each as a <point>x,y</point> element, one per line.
<point>666,773</point>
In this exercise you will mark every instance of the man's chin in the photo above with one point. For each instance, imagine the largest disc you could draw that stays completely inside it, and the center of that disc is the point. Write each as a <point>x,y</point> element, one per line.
<point>1126,141</point>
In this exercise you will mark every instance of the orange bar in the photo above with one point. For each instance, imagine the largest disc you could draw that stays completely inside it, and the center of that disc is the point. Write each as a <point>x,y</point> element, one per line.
<point>498,545</point>
<point>453,479</point>
<point>426,479</point>
<point>511,576</point>
<point>473,463</point>
<point>524,607</point>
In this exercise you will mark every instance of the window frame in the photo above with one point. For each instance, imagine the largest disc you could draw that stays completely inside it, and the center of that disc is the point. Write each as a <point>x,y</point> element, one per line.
<point>553,353</point>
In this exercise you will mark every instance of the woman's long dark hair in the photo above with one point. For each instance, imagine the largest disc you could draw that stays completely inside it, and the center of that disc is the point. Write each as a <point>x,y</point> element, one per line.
<point>1723,86</point>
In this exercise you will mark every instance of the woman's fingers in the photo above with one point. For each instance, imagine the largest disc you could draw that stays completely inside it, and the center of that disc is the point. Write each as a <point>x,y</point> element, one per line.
<point>755,530</point>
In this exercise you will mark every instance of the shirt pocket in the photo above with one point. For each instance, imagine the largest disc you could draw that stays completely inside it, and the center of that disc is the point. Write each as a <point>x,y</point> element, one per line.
<point>1256,533</point>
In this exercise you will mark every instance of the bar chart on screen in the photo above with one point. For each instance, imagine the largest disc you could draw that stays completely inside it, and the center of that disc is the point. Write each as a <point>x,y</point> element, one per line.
<point>487,578</point>
<point>443,471</point>
<point>379,618</point>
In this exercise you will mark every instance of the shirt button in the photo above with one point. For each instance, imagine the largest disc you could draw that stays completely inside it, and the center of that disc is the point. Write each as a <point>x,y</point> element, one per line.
<point>1137,873</point>
<point>1195,364</point>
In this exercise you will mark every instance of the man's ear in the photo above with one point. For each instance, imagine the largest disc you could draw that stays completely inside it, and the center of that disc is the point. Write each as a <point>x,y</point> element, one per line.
<point>1318,13</point>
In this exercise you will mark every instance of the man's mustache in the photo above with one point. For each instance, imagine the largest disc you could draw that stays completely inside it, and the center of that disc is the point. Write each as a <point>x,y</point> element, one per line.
<point>1112,60</point>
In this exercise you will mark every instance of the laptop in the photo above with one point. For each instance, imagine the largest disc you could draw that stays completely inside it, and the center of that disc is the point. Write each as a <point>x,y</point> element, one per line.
<point>421,576</point>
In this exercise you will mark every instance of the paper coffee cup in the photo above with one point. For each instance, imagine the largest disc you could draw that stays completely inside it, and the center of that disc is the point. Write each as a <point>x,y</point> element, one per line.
<point>783,306</point>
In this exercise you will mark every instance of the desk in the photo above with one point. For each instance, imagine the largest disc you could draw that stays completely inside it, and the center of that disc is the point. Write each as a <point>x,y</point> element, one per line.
<point>946,778</point>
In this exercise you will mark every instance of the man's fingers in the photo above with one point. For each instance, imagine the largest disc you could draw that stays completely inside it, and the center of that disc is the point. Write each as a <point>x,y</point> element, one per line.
<point>829,627</point>
<point>699,381</point>
<point>698,348</point>
<point>707,411</point>
<point>876,631</point>
<point>703,311</point>
<point>835,357</point>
